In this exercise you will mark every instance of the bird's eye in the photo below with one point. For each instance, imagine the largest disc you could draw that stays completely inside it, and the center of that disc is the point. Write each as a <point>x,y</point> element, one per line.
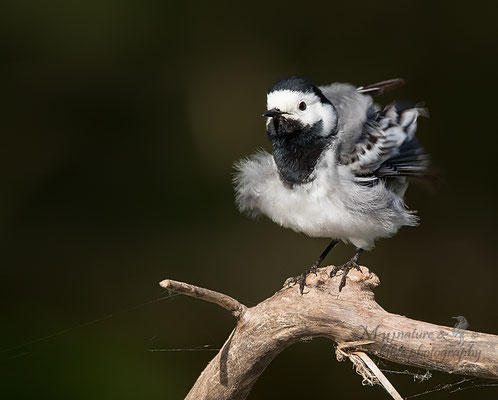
<point>302,106</point>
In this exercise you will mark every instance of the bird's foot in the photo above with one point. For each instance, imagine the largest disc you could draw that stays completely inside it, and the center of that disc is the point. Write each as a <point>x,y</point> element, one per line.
<point>345,268</point>
<point>314,268</point>
<point>301,279</point>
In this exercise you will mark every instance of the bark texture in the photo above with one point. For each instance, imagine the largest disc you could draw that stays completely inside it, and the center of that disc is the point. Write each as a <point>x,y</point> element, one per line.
<point>352,315</point>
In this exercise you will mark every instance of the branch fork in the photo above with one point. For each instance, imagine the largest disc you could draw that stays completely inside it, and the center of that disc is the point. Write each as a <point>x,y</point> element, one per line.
<point>350,318</point>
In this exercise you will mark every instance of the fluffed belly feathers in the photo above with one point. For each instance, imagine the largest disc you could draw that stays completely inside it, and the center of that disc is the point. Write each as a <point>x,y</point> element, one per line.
<point>331,205</point>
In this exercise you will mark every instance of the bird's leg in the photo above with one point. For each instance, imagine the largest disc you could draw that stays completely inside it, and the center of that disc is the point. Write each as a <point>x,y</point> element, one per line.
<point>301,279</point>
<point>317,263</point>
<point>345,268</point>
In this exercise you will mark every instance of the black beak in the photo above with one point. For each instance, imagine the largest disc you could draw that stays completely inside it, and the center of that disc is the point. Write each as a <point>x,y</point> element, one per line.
<point>274,112</point>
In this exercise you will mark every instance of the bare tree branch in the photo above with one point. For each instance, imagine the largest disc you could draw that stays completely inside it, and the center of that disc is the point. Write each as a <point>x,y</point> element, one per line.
<point>263,331</point>
<point>221,299</point>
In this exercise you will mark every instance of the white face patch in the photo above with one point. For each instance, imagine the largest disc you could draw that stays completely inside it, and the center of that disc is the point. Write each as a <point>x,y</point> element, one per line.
<point>288,101</point>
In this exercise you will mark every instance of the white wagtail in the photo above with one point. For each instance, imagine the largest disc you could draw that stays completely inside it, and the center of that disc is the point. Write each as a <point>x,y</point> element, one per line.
<point>338,168</point>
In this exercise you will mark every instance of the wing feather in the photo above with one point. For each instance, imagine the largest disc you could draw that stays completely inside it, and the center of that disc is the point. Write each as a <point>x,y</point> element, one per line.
<point>379,88</point>
<point>388,146</point>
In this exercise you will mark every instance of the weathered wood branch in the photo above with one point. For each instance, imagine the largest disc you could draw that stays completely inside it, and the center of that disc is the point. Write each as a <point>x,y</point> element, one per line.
<point>227,302</point>
<point>263,331</point>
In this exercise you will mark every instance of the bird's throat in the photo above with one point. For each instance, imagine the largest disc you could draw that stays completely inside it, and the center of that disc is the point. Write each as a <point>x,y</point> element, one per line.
<point>296,151</point>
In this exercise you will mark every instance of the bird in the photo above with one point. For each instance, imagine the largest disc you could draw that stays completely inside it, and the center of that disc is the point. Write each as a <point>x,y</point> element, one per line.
<point>339,165</point>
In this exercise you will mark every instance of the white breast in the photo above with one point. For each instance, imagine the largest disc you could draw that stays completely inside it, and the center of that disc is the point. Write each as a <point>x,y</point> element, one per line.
<point>331,206</point>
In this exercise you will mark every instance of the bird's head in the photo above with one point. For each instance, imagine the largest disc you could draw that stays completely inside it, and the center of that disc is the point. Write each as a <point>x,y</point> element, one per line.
<point>297,108</point>
<point>301,124</point>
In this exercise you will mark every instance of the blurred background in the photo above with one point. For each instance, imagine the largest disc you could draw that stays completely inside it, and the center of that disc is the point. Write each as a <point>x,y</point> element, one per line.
<point>119,124</point>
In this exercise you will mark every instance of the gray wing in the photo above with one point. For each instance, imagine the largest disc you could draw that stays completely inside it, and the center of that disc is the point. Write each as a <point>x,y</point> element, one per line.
<point>347,100</point>
<point>352,101</point>
<point>387,146</point>
<point>352,109</point>
<point>354,105</point>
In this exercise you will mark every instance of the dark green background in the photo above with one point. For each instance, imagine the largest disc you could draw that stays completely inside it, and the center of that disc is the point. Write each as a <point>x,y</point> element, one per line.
<point>119,125</point>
